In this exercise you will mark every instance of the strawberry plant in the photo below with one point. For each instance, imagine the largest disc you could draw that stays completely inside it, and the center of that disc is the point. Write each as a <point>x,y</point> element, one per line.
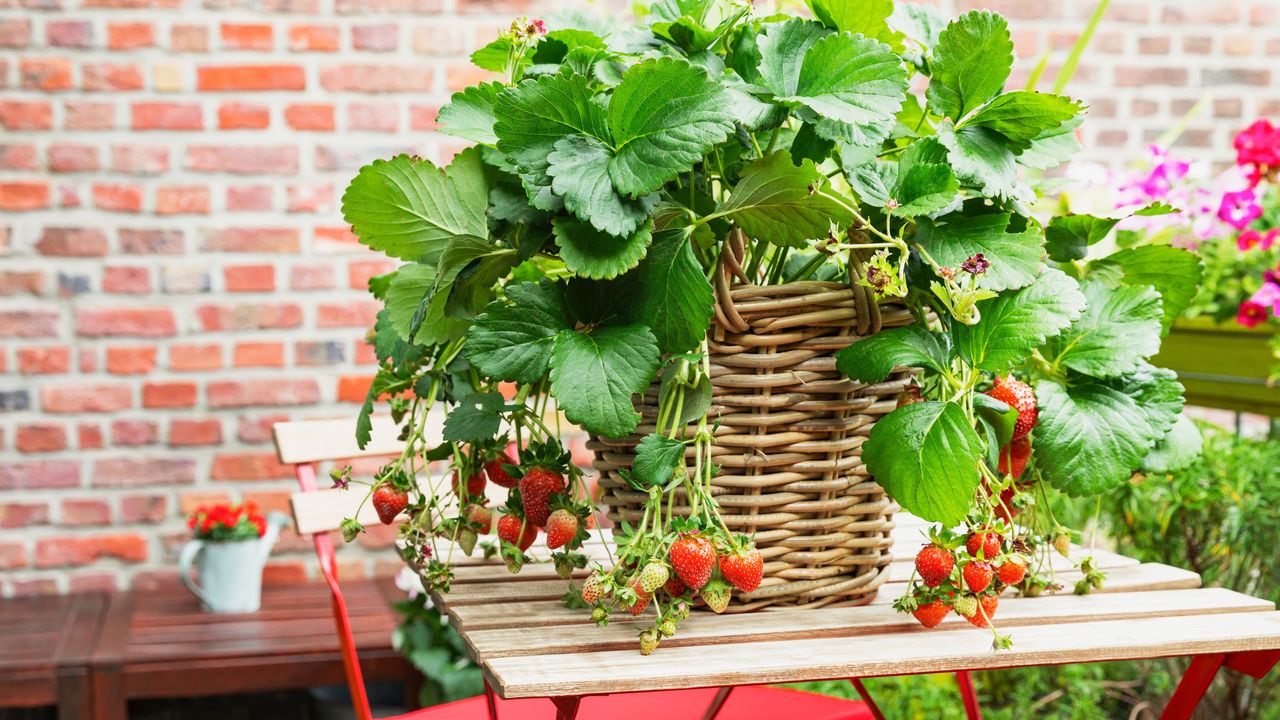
<point>565,262</point>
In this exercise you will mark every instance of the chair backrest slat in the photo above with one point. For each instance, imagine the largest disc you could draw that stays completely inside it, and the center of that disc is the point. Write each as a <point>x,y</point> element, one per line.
<point>324,510</point>
<point>307,441</point>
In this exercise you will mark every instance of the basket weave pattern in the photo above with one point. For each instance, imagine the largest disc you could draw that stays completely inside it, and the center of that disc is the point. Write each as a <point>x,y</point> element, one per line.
<point>789,440</point>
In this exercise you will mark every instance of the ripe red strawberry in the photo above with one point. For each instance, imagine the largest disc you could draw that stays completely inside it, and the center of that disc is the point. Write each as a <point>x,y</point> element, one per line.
<point>1006,509</point>
<point>482,516</point>
<point>475,484</point>
<point>675,587</point>
<point>562,526</point>
<point>1022,398</point>
<point>389,500</point>
<point>986,541</point>
<point>498,476</point>
<point>931,614</point>
<point>977,575</point>
<point>1014,457</point>
<point>693,559</point>
<point>934,564</point>
<point>1012,571</point>
<point>744,571</point>
<point>642,597</point>
<point>989,604</point>
<point>593,588</point>
<point>509,531</point>
<point>536,488</point>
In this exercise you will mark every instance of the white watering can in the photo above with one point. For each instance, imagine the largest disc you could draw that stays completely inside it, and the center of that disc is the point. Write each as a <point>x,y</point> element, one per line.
<point>230,572</point>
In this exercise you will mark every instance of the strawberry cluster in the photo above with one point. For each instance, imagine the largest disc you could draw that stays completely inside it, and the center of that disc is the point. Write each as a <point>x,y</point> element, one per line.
<point>227,522</point>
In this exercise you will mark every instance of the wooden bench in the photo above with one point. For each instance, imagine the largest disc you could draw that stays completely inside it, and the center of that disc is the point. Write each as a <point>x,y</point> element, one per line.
<point>45,644</point>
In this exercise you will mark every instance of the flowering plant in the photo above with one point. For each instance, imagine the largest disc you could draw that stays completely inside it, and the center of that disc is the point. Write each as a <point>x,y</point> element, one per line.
<point>227,522</point>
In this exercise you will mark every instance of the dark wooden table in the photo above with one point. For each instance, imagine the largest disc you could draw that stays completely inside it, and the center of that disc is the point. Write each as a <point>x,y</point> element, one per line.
<point>45,646</point>
<point>159,644</point>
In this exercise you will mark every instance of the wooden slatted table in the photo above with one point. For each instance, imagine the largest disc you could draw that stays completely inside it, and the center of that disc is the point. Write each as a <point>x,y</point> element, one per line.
<point>45,644</point>
<point>530,645</point>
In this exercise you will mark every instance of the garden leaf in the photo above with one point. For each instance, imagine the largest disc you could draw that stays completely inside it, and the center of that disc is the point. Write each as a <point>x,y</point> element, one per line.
<point>594,375</point>
<point>1069,236</point>
<point>598,255</point>
<point>782,48</point>
<point>1000,416</point>
<point>782,203</point>
<point>1157,391</point>
<point>871,359</point>
<point>579,168</point>
<point>674,297</point>
<point>970,63</point>
<point>1015,256</point>
<point>1016,323</point>
<point>477,417</point>
<point>697,399</point>
<point>860,17</point>
<point>665,116</point>
<point>981,158</point>
<point>1090,436</point>
<point>1177,450</point>
<point>410,287</point>
<point>1053,147</point>
<point>469,115</point>
<point>512,340</point>
<point>925,456</point>
<point>1119,327</point>
<point>924,188</point>
<point>657,457</point>
<point>1175,273</point>
<point>1022,116</point>
<point>409,209</point>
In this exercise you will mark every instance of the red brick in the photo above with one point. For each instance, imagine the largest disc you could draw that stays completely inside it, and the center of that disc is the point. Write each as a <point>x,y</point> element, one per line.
<point>189,502</point>
<point>85,398</point>
<point>118,198</point>
<point>39,474</point>
<point>45,74</point>
<point>110,77</point>
<point>69,197</point>
<point>38,438</point>
<point>126,280</point>
<point>243,116</point>
<point>359,272</point>
<point>21,282</point>
<point>84,512</point>
<point>168,395</point>
<point>18,157</point>
<point>441,40</point>
<point>258,354</point>
<point>34,586</point>
<point>73,158</point>
<point>351,314</point>
<point>139,360</point>
<point>151,242</point>
<point>139,159</point>
<point>249,278</point>
<point>129,36</point>
<point>382,37</point>
<point>365,354</point>
<point>243,160</point>
<point>375,117</point>
<point>144,509</point>
<point>275,240</point>
<point>187,433</point>
<point>89,437</point>
<point>310,116</point>
<point>15,33</point>
<point>337,241</point>
<point>310,277</point>
<point>262,393</point>
<point>166,116</point>
<point>44,361</point>
<point>26,115</point>
<point>182,200</point>
<point>310,198</point>
<point>15,514</point>
<point>256,430</point>
<point>250,198</point>
<point>13,555</point>
<point>268,501</point>
<point>86,115</point>
<point>69,33</point>
<point>137,472</point>
<point>72,551</point>
<point>88,360</point>
<point>135,322</point>
<point>246,36</point>
<point>423,117</point>
<point>313,38</point>
<point>249,466</point>
<point>189,38</point>
<point>94,581</point>
<point>134,432</point>
<point>460,75</point>
<point>29,323</point>
<point>22,196</point>
<point>250,78</point>
<point>187,358</point>
<point>378,78</point>
<point>72,242</point>
<point>354,389</point>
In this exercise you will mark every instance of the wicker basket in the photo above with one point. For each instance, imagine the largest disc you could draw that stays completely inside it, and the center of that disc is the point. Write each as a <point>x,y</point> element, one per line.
<point>790,438</point>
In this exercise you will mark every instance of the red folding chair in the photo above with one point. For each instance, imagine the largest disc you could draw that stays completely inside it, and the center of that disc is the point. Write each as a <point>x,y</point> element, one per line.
<point>318,512</point>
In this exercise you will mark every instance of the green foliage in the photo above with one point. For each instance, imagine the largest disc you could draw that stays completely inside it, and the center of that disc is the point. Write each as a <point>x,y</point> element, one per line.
<point>436,651</point>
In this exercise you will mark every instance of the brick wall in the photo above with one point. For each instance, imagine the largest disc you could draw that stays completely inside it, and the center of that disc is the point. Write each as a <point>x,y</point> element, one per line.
<point>174,275</point>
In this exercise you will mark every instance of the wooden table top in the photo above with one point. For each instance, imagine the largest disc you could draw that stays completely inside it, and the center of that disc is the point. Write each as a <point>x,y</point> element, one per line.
<point>530,645</point>
<point>39,637</point>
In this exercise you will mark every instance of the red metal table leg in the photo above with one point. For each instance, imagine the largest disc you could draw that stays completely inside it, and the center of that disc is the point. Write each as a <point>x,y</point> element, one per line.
<point>566,707</point>
<point>1255,664</point>
<point>968,695</point>
<point>1195,682</point>
<point>490,701</point>
<point>717,703</point>
<point>866,698</point>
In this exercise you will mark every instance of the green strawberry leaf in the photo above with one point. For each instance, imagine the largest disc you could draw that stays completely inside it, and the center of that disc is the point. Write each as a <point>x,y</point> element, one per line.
<point>1015,323</point>
<point>925,455</point>
<point>494,56</point>
<point>1089,437</point>
<point>598,255</point>
<point>1068,237</point>
<point>924,188</point>
<point>1053,147</point>
<point>409,209</point>
<point>513,339</point>
<point>1158,392</point>
<point>1000,416</point>
<point>922,24</point>
<point>469,114</point>
<point>477,417</point>
<point>411,287</point>
<point>859,17</point>
<point>657,457</point>
<point>1022,116</point>
<point>665,116</point>
<point>782,48</point>
<point>782,203</point>
<point>871,359</point>
<point>1118,329</point>
<point>594,374</point>
<point>697,399</point>
<point>982,159</point>
<point>1015,256</point>
<point>1181,447</point>
<point>1175,273</point>
<point>970,64</point>
<point>579,168</point>
<point>673,296</point>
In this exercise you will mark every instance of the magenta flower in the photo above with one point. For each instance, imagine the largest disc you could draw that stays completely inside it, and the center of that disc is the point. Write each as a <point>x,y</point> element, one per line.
<point>1258,145</point>
<point>1239,208</point>
<point>1248,240</point>
<point>1251,314</point>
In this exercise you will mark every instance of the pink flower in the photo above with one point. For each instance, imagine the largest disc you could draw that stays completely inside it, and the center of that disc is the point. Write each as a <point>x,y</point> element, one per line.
<point>1258,145</point>
<point>1268,296</point>
<point>1251,314</point>
<point>1240,208</point>
<point>1248,240</point>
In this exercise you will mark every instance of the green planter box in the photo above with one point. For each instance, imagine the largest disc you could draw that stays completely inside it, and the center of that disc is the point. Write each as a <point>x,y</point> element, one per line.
<point>1222,365</point>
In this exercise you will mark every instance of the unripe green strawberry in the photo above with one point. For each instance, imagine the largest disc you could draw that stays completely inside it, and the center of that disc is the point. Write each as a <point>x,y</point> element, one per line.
<point>564,568</point>
<point>648,642</point>
<point>653,576</point>
<point>1062,543</point>
<point>667,627</point>
<point>682,610</point>
<point>716,593</point>
<point>593,589</point>
<point>965,605</point>
<point>467,540</point>
<point>600,616</point>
